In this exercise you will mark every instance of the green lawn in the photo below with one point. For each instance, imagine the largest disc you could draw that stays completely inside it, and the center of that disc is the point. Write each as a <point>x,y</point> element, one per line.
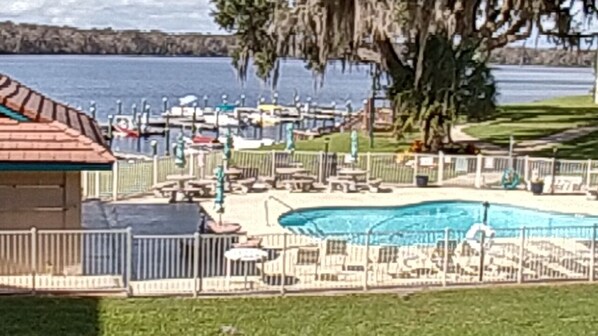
<point>582,148</point>
<point>536,120</point>
<point>341,142</point>
<point>561,310</point>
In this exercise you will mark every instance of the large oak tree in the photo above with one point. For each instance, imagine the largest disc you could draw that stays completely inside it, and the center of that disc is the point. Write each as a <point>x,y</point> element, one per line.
<point>437,72</point>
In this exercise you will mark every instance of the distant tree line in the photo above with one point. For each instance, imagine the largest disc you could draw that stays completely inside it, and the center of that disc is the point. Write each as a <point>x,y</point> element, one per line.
<point>55,40</point>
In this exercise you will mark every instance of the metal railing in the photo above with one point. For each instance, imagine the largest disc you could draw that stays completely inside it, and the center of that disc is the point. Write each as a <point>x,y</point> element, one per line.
<point>473,171</point>
<point>120,261</point>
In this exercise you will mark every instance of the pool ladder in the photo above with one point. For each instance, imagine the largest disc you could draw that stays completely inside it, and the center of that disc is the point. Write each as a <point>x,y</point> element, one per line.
<point>274,198</point>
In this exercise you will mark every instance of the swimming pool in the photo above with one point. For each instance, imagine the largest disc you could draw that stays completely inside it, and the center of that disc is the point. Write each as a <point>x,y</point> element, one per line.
<point>404,224</point>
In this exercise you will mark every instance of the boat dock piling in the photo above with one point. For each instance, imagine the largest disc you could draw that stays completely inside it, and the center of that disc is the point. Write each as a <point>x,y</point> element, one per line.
<point>309,117</point>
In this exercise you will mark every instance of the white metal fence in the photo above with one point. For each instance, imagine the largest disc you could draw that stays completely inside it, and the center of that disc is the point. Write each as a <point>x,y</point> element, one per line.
<point>129,179</point>
<point>119,261</point>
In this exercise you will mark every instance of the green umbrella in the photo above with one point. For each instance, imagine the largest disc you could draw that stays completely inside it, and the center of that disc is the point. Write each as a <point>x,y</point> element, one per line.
<point>179,156</point>
<point>219,199</point>
<point>228,145</point>
<point>354,145</point>
<point>290,137</point>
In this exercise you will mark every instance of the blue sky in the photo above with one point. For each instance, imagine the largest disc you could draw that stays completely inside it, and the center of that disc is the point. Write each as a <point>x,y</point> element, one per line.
<point>168,15</point>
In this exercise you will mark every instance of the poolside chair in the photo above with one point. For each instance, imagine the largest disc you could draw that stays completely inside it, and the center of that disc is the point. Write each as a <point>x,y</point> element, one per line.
<point>302,263</point>
<point>438,255</point>
<point>335,253</point>
<point>386,264</point>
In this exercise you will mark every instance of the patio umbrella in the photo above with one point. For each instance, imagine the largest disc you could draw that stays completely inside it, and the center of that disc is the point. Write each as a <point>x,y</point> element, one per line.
<point>354,145</point>
<point>290,138</point>
<point>228,145</point>
<point>179,155</point>
<point>219,199</point>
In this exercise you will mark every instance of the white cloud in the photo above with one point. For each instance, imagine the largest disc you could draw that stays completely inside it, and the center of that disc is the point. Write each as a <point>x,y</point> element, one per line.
<point>174,15</point>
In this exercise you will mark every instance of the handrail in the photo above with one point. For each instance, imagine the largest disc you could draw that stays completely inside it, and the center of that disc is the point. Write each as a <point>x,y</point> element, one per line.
<point>287,206</point>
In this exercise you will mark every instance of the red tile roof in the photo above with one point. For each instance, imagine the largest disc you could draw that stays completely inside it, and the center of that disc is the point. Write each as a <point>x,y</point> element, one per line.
<point>56,133</point>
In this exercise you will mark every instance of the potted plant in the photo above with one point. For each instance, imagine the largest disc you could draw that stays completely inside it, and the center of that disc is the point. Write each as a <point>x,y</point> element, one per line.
<point>537,186</point>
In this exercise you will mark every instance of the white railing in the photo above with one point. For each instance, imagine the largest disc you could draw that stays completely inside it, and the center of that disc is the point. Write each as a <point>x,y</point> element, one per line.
<point>118,260</point>
<point>129,179</point>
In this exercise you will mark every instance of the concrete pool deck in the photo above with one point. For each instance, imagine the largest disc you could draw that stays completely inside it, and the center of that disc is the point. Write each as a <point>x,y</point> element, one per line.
<point>258,213</point>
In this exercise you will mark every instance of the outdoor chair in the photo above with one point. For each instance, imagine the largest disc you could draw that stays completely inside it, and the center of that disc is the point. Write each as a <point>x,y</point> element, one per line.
<point>386,263</point>
<point>335,253</point>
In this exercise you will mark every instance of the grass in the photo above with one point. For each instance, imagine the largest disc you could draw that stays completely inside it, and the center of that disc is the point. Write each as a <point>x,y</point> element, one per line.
<point>582,148</point>
<point>561,310</point>
<point>536,120</point>
<point>341,143</point>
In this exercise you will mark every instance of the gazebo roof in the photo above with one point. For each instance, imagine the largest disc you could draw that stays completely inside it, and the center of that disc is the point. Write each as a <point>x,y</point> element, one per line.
<point>36,129</point>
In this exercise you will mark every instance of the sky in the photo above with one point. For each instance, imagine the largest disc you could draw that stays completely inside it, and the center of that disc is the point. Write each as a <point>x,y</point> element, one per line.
<point>166,15</point>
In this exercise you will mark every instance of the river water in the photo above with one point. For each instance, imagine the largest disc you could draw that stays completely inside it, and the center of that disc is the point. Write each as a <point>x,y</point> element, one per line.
<point>78,80</point>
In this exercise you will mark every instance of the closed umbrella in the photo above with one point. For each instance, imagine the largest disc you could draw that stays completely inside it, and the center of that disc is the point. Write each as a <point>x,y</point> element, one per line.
<point>228,145</point>
<point>354,146</point>
<point>179,155</point>
<point>290,137</point>
<point>219,199</point>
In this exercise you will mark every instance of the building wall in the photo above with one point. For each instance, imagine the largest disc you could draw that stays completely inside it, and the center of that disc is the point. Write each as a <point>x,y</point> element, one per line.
<point>46,201</point>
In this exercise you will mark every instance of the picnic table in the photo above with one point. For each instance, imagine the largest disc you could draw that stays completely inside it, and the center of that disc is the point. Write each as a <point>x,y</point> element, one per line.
<point>180,187</point>
<point>294,178</point>
<point>353,179</point>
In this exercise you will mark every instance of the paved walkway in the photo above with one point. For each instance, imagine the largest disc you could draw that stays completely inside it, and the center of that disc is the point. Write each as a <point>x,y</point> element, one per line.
<point>459,135</point>
<point>523,147</point>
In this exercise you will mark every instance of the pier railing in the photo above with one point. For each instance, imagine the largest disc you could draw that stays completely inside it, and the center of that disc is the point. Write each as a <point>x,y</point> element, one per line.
<point>132,178</point>
<point>198,264</point>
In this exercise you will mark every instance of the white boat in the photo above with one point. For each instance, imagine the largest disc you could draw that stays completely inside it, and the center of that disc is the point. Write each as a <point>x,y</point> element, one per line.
<point>221,116</point>
<point>269,115</point>
<point>242,143</point>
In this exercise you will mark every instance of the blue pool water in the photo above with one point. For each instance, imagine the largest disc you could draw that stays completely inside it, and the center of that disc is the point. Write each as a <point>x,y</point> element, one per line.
<point>405,224</point>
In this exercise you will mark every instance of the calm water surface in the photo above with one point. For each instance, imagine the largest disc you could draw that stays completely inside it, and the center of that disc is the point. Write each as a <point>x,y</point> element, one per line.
<point>77,80</point>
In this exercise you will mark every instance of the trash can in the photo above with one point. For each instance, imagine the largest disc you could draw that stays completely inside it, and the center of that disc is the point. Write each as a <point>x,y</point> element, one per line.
<point>421,181</point>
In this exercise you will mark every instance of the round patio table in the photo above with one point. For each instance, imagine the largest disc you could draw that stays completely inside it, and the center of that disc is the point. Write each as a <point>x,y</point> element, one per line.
<point>243,254</point>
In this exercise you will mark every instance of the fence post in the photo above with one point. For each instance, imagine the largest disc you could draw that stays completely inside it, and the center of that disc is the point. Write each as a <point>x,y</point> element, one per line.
<point>415,166</point>
<point>478,171</point>
<point>273,172</point>
<point>201,164</point>
<point>526,170</point>
<point>321,167</point>
<point>195,259</point>
<point>440,168</point>
<point>97,184</point>
<point>115,181</point>
<point>33,259</point>
<point>445,258</point>
<point>521,256</point>
<point>155,169</point>
<point>192,164</point>
<point>129,261</point>
<point>368,166</point>
<point>593,253</point>
<point>589,178</point>
<point>366,262</point>
<point>284,265</point>
<point>84,184</point>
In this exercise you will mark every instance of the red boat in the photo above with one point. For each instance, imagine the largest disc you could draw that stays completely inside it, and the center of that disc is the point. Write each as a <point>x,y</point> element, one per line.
<point>124,127</point>
<point>202,139</point>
